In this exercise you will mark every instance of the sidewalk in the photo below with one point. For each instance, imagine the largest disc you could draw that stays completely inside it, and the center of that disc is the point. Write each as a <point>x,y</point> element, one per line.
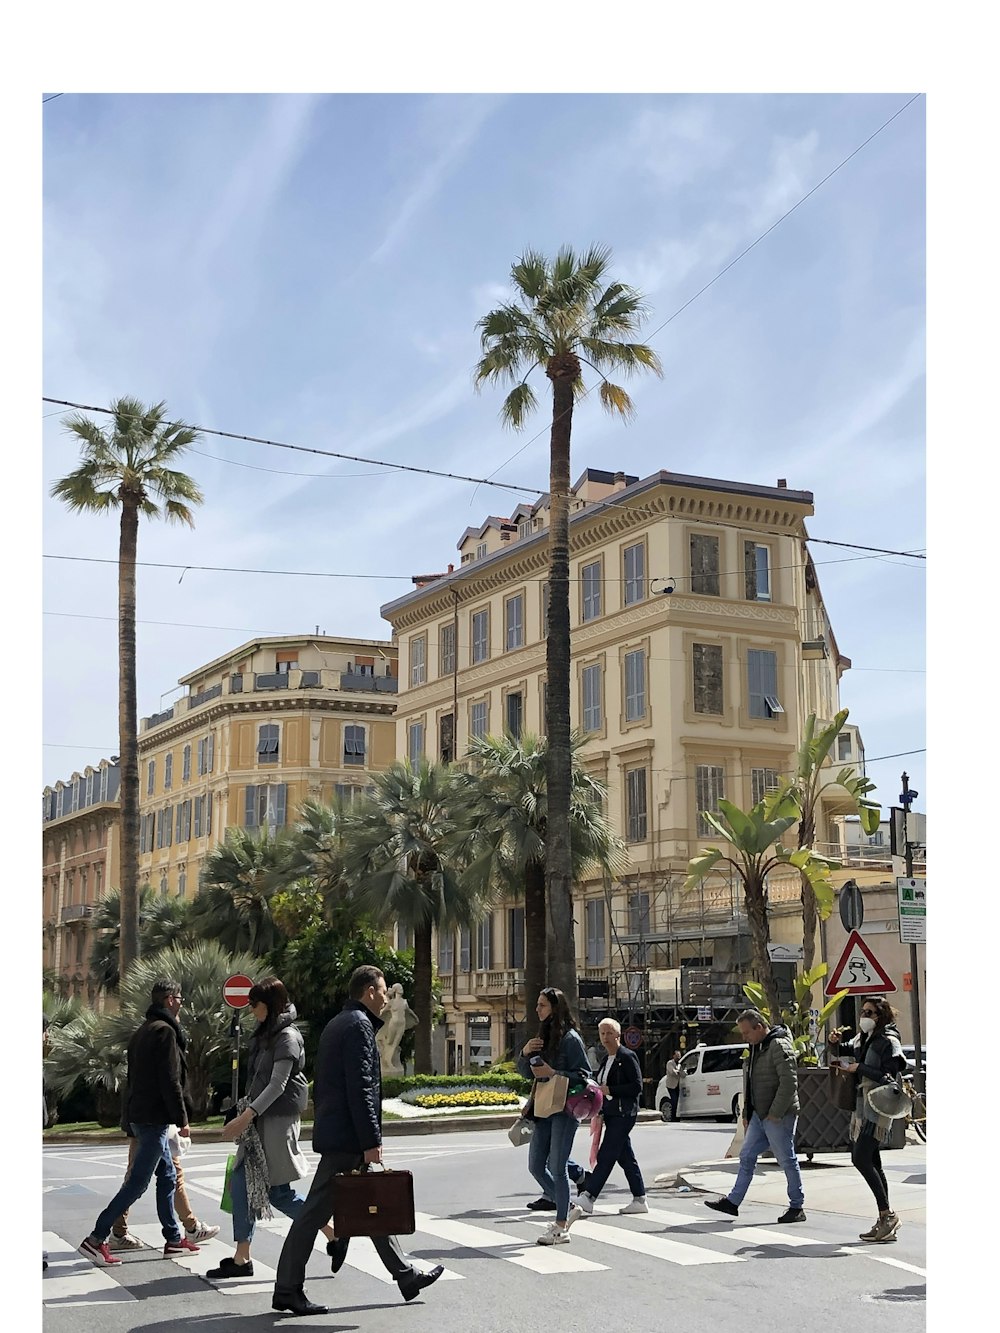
<point>832,1185</point>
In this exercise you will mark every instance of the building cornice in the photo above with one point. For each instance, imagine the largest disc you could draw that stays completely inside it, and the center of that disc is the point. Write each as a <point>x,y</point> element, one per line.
<point>235,705</point>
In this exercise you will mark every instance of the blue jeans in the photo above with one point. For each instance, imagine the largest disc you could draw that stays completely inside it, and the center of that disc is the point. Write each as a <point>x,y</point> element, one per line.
<point>548,1153</point>
<point>780,1138</point>
<point>282,1197</point>
<point>152,1156</point>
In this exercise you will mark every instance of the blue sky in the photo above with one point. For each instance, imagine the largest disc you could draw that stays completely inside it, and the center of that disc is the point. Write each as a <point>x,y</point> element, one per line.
<point>311,268</point>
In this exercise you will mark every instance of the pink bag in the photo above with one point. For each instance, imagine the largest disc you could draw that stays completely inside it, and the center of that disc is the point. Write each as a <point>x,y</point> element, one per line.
<point>586,1103</point>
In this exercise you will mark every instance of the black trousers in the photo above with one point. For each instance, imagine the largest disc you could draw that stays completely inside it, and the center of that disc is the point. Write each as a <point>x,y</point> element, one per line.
<point>867,1158</point>
<point>675,1095</point>
<point>616,1147</point>
<point>316,1212</point>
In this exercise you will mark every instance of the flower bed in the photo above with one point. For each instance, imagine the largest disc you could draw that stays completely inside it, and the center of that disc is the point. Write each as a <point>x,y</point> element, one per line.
<point>439,1101</point>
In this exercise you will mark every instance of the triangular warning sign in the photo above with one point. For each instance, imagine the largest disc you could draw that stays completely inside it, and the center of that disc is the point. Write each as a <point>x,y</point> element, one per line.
<point>858,971</point>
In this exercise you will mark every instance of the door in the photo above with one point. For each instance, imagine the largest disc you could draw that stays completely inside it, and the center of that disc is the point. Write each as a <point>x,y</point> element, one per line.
<point>689,1082</point>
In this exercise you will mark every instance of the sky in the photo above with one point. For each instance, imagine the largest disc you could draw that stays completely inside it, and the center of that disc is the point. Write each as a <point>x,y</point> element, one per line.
<point>310,268</point>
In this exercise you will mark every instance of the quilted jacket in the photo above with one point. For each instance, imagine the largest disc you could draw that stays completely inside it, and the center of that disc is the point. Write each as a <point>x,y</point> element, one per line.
<point>347,1083</point>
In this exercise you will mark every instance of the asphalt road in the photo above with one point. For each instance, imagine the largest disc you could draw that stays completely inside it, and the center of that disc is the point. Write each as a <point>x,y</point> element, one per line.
<point>679,1267</point>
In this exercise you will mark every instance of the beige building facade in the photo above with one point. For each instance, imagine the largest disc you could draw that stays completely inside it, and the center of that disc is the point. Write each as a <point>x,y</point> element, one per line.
<point>258,731</point>
<point>700,644</point>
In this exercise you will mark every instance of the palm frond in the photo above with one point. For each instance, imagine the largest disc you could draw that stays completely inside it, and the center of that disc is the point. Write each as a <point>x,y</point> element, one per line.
<point>615,399</point>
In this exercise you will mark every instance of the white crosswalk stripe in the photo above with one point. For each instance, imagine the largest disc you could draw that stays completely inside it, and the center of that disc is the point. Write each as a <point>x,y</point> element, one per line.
<point>73,1279</point>
<point>643,1242</point>
<point>525,1254</point>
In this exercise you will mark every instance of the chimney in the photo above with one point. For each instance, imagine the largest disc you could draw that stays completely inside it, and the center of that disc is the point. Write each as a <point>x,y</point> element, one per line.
<point>619,481</point>
<point>451,568</point>
<point>782,484</point>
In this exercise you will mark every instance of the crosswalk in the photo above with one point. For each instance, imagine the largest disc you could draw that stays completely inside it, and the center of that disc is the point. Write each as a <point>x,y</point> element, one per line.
<point>506,1236</point>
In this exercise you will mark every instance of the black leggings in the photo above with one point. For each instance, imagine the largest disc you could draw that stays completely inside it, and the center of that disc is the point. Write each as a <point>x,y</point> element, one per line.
<point>866,1157</point>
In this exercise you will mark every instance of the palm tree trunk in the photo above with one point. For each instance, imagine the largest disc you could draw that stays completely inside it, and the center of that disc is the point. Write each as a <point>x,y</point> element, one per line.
<point>807,833</point>
<point>128,740</point>
<point>755,898</point>
<point>422,998</point>
<point>534,936</point>
<point>562,371</point>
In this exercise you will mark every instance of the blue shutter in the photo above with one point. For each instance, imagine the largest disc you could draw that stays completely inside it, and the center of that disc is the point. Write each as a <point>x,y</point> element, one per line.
<point>755,687</point>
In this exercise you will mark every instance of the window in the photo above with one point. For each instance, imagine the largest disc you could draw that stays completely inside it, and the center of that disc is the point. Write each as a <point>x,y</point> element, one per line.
<point>515,937</point>
<point>715,1062</point>
<point>481,551</point>
<point>446,953</point>
<point>844,747</point>
<point>546,594</point>
<point>590,679</point>
<point>163,884</point>
<point>514,710</point>
<point>186,764</point>
<point>757,572</point>
<point>168,771</point>
<point>513,614</point>
<point>705,564</point>
<point>762,780</point>
<point>145,833</point>
<point>165,826</point>
<point>265,806</point>
<point>183,821</point>
<point>267,744</point>
<point>635,685</point>
<point>635,804</point>
<point>404,936</point>
<point>709,787</point>
<point>182,879</point>
<point>876,839</point>
<point>707,664</point>
<point>345,792</point>
<point>446,654</point>
<point>415,742</point>
<point>354,745</point>
<point>590,576</point>
<point>150,776</point>
<point>418,660</point>
<point>596,956</point>
<point>635,573</point>
<point>286,661</point>
<point>638,914</point>
<point>198,816</point>
<point>484,944</point>
<point>478,718</point>
<point>464,949</point>
<point>526,527</point>
<point>481,635</point>
<point>206,754</point>
<point>89,798</point>
<point>446,738</point>
<point>762,683</point>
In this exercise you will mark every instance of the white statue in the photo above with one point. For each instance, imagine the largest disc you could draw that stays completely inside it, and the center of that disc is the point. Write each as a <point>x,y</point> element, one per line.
<point>397,1019</point>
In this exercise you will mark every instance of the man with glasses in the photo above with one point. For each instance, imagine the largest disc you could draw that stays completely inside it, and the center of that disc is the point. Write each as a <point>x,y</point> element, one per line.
<point>155,1099</point>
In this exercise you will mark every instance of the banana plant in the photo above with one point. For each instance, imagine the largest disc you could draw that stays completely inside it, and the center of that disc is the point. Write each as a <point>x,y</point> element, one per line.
<point>754,849</point>
<point>795,1016</point>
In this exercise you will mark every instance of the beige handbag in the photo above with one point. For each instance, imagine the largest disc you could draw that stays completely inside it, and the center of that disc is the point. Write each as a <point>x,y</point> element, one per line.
<point>550,1096</point>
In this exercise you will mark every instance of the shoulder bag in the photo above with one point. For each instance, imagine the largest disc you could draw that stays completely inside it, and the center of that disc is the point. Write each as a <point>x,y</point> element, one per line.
<point>550,1096</point>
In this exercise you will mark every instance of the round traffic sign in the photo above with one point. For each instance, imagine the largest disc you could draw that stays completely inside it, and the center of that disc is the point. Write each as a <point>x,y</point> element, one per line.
<point>852,906</point>
<point>632,1037</point>
<point>236,991</point>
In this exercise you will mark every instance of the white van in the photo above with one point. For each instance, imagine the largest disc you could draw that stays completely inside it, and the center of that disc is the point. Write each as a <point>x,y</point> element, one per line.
<point>711,1083</point>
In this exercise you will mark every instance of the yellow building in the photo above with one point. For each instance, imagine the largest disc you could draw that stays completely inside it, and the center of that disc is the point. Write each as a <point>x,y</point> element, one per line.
<point>259,730</point>
<point>80,858</point>
<point>700,643</point>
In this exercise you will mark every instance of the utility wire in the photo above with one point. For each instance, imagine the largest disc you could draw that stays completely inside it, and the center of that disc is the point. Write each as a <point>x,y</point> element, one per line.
<point>51,98</point>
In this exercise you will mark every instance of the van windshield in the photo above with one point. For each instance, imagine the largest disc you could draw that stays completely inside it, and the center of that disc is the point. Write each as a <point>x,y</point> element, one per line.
<point>714,1062</point>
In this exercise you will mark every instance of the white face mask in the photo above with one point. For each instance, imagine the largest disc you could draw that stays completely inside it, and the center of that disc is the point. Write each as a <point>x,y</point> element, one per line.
<point>867,1024</point>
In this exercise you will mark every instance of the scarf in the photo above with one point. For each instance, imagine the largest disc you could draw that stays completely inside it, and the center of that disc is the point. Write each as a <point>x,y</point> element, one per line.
<point>863,1113</point>
<point>255,1165</point>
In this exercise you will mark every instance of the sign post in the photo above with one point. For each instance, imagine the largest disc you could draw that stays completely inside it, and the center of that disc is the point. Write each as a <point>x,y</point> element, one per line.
<point>236,993</point>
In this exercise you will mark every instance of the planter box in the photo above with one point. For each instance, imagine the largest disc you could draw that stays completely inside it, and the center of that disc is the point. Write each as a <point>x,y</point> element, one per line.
<point>823,1127</point>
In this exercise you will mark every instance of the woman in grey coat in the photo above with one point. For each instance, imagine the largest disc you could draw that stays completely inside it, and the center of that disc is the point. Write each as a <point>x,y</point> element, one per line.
<point>269,1157</point>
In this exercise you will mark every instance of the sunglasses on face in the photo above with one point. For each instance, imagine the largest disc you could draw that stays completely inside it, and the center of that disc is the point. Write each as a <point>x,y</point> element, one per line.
<point>868,1013</point>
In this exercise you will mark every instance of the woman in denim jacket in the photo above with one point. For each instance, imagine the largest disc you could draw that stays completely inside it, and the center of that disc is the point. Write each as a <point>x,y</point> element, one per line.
<point>561,1049</point>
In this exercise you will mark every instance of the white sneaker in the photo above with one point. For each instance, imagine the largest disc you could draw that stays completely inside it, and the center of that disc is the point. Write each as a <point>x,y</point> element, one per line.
<point>585,1203</point>
<point>554,1235</point>
<point>638,1205</point>
<point>575,1213</point>
<point>126,1242</point>
<point>201,1232</point>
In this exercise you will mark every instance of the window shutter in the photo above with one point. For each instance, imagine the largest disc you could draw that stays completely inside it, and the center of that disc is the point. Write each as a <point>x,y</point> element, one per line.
<point>282,790</point>
<point>251,808</point>
<point>750,570</point>
<point>208,813</point>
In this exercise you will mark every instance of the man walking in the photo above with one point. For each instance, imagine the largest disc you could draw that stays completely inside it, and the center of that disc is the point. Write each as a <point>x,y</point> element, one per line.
<point>673,1076</point>
<point>347,1133</point>
<point>770,1111</point>
<point>155,1100</point>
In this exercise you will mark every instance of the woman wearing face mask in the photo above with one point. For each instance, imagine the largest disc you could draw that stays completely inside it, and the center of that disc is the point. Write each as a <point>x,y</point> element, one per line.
<point>559,1049</point>
<point>878,1055</point>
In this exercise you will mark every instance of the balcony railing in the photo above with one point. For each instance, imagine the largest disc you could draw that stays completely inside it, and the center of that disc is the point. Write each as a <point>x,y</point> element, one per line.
<point>356,680</point>
<point>76,912</point>
<point>271,680</point>
<point>203,696</point>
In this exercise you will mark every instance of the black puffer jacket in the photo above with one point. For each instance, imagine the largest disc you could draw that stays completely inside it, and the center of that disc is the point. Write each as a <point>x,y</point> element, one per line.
<point>347,1083</point>
<point>156,1093</point>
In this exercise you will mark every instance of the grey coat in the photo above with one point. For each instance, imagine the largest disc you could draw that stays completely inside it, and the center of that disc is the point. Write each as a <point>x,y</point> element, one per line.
<point>279,1108</point>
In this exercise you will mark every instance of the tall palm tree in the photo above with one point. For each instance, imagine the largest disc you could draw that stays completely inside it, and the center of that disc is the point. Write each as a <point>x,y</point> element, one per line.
<point>402,860</point>
<point>565,315</point>
<point>238,879</point>
<point>128,465</point>
<point>508,795</point>
<point>106,923</point>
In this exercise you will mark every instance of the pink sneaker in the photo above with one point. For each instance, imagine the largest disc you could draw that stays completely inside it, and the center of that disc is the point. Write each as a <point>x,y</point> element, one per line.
<point>98,1251</point>
<point>182,1246</point>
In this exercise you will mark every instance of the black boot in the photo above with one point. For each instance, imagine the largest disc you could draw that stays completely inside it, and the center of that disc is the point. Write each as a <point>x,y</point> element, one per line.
<point>296,1302</point>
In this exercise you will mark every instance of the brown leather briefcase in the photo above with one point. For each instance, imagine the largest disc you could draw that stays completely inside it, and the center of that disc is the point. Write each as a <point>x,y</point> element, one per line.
<point>373,1203</point>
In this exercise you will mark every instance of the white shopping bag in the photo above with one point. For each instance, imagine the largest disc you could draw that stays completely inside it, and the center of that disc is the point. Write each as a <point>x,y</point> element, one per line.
<point>178,1146</point>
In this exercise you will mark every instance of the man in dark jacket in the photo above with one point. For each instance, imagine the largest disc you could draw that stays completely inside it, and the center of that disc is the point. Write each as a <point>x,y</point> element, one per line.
<point>620,1079</point>
<point>770,1112</point>
<point>347,1133</point>
<point>155,1100</point>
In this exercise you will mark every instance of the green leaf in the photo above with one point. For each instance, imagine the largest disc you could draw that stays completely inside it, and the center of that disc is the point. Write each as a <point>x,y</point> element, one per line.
<point>699,866</point>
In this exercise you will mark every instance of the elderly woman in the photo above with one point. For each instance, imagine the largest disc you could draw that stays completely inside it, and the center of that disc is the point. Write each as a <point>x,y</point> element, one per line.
<point>620,1080</point>
<point>269,1157</point>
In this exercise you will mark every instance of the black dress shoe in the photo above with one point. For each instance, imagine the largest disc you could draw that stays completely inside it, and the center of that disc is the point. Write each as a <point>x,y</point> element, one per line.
<point>337,1250</point>
<point>230,1268</point>
<point>542,1205</point>
<point>722,1206</point>
<point>415,1286</point>
<point>296,1302</point>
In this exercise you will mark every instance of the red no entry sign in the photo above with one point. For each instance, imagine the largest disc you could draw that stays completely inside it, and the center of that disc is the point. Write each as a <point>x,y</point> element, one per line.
<point>236,991</point>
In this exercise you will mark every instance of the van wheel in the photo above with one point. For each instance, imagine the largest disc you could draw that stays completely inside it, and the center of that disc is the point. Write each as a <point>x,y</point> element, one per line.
<point>664,1109</point>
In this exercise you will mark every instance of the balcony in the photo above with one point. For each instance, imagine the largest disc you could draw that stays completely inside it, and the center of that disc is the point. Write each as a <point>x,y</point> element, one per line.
<point>157,718</point>
<point>357,680</point>
<point>76,912</point>
<point>203,696</point>
<point>271,680</point>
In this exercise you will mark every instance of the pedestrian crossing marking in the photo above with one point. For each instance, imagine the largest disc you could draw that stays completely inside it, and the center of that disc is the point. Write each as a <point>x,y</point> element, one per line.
<point>525,1254</point>
<point>755,1235</point>
<point>361,1254</point>
<point>72,1279</point>
<point>642,1242</point>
